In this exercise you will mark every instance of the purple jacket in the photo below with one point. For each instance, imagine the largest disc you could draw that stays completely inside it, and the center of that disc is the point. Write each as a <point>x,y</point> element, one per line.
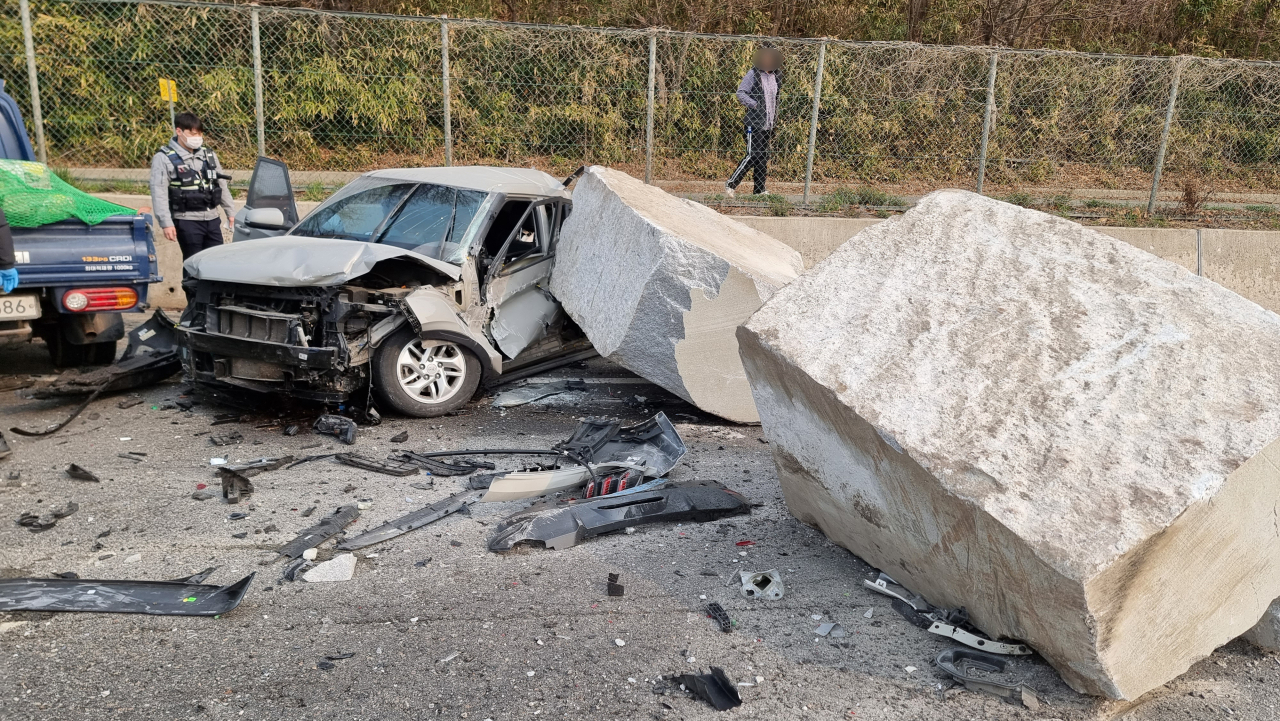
<point>758,91</point>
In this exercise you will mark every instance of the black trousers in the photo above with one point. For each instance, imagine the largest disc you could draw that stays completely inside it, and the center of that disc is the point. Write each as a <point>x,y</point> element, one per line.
<point>757,160</point>
<point>194,236</point>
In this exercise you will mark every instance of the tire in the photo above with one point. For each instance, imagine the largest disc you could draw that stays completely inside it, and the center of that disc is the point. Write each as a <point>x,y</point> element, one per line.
<point>101,354</point>
<point>66,354</point>
<point>423,378</point>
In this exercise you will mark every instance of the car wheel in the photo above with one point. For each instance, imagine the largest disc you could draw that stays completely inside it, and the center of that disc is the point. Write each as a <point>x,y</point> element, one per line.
<point>424,378</point>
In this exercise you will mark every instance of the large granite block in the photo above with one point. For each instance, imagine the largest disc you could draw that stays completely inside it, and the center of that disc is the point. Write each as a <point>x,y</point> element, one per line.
<point>1065,434</point>
<point>659,284</point>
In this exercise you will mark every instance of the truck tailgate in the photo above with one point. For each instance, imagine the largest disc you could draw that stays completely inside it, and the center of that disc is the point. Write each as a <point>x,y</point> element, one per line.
<point>72,252</point>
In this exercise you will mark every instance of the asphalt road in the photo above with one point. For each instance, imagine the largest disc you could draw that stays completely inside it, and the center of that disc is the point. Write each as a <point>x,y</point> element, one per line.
<point>439,627</point>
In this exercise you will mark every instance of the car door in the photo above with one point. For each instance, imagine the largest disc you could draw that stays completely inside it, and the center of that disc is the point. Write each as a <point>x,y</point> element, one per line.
<point>269,191</point>
<point>517,284</point>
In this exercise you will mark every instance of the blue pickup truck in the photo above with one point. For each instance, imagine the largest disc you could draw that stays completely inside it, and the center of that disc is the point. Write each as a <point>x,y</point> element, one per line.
<point>74,279</point>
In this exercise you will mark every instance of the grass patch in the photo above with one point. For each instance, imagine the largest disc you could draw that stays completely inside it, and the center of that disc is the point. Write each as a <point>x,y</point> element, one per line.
<point>1019,198</point>
<point>844,196</point>
<point>778,205</point>
<point>1264,209</point>
<point>1060,203</point>
<point>315,192</point>
<point>1094,203</point>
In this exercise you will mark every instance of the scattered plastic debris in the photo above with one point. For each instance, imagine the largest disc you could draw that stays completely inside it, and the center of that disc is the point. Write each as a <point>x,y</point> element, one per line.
<point>458,502</point>
<point>715,688</point>
<point>181,597</point>
<point>340,427</point>
<point>831,630</point>
<point>44,521</point>
<point>762,584</point>
<point>80,474</point>
<point>717,612</point>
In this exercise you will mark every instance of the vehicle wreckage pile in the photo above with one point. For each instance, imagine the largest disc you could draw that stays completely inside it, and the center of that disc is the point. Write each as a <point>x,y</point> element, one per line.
<point>1047,440</point>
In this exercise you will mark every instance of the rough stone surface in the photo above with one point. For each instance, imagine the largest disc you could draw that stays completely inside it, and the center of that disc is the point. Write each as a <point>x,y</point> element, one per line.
<point>338,568</point>
<point>1007,411</point>
<point>1265,634</point>
<point>659,284</point>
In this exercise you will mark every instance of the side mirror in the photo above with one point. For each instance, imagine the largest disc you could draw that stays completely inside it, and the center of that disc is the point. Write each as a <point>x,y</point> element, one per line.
<point>265,219</point>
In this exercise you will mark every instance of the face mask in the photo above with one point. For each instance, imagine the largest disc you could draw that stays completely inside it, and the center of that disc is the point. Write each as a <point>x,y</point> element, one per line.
<point>194,142</point>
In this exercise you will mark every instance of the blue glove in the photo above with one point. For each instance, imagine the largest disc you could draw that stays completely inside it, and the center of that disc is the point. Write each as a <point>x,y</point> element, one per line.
<point>10,279</point>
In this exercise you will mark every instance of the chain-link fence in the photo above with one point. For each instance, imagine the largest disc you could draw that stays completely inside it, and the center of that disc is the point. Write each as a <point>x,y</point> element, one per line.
<point>342,91</point>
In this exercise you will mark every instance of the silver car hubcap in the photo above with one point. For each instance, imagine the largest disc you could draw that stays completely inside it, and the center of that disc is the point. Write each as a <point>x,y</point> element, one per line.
<point>431,371</point>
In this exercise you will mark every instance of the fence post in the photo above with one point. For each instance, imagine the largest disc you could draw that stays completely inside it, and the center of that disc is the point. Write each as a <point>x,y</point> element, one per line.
<point>444,75</point>
<point>37,119</point>
<point>1164,136</point>
<point>648,123</point>
<point>986,119</point>
<point>257,85</point>
<point>813,118</point>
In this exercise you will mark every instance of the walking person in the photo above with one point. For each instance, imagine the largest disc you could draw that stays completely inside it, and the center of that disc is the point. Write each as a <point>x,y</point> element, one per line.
<point>187,188</point>
<point>758,91</point>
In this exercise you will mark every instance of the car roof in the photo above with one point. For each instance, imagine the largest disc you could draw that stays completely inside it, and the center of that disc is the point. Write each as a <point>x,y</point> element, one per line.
<point>518,181</point>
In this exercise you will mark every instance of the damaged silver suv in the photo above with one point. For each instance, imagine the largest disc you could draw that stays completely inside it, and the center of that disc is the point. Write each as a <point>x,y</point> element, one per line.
<point>412,285</point>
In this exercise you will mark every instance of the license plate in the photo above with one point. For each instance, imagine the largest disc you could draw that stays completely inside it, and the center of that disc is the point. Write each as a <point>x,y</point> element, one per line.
<point>19,307</point>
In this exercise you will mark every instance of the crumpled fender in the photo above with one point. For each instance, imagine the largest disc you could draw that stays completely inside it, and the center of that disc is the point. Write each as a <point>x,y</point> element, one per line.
<point>434,316</point>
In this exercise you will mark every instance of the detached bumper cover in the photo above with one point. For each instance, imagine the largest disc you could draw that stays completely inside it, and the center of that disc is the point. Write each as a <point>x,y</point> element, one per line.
<point>565,523</point>
<point>156,598</point>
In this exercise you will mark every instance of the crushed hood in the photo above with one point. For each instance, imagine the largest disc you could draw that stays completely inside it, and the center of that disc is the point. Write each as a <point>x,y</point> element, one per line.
<point>293,261</point>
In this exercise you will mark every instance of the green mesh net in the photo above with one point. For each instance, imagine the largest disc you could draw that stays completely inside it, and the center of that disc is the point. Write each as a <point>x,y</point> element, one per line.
<point>31,195</point>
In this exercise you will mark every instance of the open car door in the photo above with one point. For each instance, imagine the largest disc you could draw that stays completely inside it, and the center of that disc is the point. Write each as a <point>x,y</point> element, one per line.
<point>269,208</point>
<point>516,286</point>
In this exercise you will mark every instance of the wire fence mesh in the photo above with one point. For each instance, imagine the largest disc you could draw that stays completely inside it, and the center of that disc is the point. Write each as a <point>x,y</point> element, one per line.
<point>345,91</point>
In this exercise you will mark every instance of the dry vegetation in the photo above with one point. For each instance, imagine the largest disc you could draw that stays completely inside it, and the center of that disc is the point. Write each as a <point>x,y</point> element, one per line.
<point>1215,28</point>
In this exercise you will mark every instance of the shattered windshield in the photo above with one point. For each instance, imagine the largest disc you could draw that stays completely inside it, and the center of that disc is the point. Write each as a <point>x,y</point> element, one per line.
<point>433,220</point>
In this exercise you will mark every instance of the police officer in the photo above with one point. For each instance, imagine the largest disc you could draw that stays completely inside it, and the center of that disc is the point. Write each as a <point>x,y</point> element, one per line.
<point>187,188</point>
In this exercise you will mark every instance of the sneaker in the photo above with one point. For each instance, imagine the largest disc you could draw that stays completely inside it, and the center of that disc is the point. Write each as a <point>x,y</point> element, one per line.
<point>728,192</point>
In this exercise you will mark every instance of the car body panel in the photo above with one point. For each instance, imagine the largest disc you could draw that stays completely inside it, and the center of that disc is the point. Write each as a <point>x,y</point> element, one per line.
<point>294,261</point>
<point>436,317</point>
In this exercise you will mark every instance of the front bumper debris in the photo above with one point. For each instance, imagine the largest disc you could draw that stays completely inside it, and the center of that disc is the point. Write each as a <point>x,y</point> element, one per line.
<point>150,357</point>
<point>412,521</point>
<point>327,528</point>
<point>184,597</point>
<point>565,523</point>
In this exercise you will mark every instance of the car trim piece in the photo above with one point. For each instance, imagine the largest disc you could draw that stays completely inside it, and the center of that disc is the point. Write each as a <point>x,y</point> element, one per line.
<point>411,521</point>
<point>157,598</point>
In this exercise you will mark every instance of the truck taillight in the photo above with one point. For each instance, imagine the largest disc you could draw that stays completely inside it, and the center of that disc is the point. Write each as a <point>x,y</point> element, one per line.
<point>87,300</point>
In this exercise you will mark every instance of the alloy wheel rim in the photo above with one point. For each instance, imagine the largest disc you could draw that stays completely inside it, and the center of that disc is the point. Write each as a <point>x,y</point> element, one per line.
<point>431,372</point>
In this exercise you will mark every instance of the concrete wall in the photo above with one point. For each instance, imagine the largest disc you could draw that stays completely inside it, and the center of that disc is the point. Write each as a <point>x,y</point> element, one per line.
<point>1244,261</point>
